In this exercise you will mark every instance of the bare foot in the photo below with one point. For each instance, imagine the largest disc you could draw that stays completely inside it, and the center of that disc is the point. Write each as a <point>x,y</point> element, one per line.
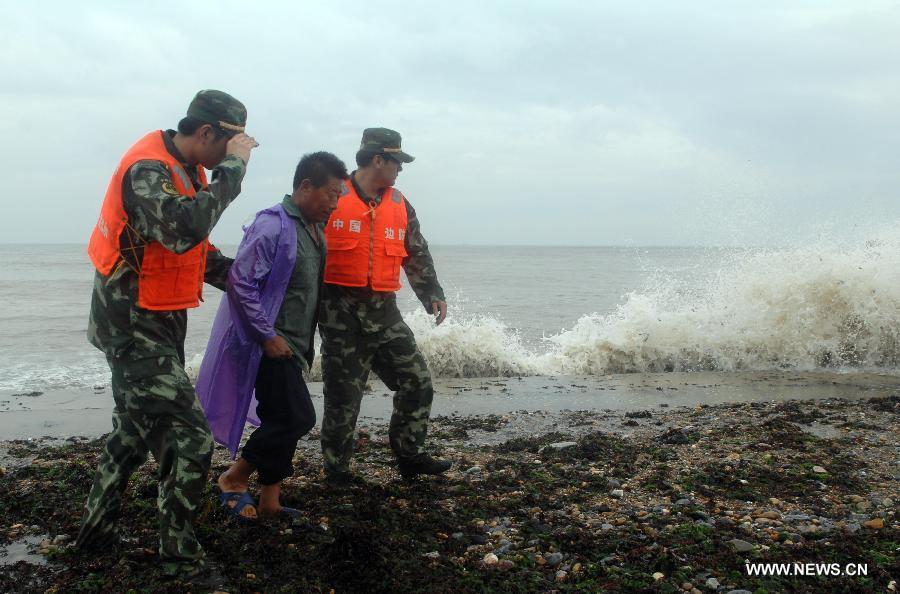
<point>267,513</point>
<point>236,480</point>
<point>269,500</point>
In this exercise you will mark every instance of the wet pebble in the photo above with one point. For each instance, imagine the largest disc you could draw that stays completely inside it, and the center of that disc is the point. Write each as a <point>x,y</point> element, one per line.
<point>741,546</point>
<point>796,518</point>
<point>553,559</point>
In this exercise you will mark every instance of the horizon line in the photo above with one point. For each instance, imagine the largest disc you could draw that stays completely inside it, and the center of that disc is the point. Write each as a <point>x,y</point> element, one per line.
<point>477,245</point>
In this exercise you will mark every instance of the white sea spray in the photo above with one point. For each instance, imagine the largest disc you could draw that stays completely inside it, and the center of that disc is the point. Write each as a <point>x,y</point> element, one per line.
<point>807,308</point>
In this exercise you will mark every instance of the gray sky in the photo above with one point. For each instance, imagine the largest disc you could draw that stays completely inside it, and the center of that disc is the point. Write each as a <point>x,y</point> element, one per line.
<point>599,123</point>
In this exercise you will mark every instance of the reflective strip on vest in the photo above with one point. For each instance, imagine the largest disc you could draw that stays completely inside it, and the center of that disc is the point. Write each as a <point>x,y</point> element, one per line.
<point>167,281</point>
<point>366,244</point>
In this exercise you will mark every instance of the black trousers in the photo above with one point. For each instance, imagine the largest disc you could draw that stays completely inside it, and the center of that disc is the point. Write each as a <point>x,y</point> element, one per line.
<point>286,414</point>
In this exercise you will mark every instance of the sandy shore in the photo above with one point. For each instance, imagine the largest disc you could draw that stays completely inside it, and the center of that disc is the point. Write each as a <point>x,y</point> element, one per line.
<point>661,493</point>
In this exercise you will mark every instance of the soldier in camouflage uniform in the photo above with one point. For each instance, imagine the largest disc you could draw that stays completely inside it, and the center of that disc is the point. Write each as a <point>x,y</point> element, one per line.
<point>156,410</point>
<point>362,330</point>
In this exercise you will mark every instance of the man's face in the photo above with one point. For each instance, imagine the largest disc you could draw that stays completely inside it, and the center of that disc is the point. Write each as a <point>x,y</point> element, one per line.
<point>212,150</point>
<point>389,168</point>
<point>315,203</point>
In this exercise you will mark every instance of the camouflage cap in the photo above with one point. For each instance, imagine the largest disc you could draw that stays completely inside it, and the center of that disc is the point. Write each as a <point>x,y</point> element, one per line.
<point>219,108</point>
<point>383,140</point>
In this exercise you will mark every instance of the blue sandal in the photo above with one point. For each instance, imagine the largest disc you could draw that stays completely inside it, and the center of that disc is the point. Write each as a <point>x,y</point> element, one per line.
<point>283,514</point>
<point>241,499</point>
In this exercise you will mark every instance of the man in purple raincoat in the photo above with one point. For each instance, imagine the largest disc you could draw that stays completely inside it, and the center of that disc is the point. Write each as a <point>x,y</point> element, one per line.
<point>262,338</point>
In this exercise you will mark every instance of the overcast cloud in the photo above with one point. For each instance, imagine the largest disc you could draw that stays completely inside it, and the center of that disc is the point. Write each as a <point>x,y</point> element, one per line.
<point>627,123</point>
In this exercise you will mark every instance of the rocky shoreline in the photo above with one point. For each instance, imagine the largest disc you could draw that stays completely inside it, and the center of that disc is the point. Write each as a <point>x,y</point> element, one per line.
<point>662,500</point>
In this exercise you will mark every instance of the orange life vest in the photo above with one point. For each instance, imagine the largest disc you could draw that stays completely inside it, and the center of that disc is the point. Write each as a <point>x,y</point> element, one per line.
<point>366,242</point>
<point>166,280</point>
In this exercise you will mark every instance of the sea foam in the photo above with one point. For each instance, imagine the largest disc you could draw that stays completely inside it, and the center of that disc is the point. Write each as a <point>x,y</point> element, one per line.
<point>820,306</point>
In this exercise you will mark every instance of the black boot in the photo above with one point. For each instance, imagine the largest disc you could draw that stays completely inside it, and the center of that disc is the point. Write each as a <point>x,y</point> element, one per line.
<point>338,479</point>
<point>422,464</point>
<point>207,579</point>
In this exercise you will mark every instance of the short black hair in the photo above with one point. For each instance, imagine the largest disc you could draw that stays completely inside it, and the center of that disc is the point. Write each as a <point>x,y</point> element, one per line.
<point>317,168</point>
<point>189,124</point>
<point>364,157</point>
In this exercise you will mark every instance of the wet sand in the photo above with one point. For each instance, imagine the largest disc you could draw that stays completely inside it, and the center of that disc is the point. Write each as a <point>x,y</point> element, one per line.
<point>87,412</point>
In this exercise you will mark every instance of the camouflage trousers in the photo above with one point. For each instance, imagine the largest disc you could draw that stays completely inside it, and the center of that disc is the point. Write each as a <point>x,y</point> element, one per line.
<point>347,358</point>
<point>156,411</point>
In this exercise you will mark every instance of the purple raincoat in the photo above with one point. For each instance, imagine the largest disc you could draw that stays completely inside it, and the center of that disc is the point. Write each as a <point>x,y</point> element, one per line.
<point>256,284</point>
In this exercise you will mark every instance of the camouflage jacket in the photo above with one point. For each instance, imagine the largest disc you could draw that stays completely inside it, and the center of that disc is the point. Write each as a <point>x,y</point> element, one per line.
<point>362,308</point>
<point>117,325</point>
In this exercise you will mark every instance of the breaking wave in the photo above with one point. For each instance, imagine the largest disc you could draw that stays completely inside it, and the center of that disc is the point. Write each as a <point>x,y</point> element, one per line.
<point>815,307</point>
<point>822,306</point>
